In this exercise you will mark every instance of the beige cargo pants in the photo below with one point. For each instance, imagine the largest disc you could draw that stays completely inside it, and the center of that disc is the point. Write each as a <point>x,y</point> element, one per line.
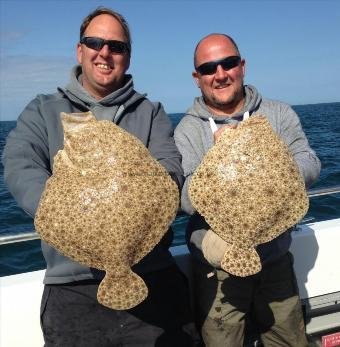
<point>222,302</point>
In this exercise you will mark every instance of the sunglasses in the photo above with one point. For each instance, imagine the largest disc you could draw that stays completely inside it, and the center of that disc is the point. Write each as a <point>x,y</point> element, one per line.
<point>97,44</point>
<point>227,63</point>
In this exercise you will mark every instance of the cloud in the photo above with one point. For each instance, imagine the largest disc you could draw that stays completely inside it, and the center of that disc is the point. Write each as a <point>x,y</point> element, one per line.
<point>6,36</point>
<point>23,77</point>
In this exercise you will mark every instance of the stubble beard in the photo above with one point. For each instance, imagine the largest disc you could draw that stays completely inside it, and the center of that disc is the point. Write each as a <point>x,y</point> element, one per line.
<point>230,103</point>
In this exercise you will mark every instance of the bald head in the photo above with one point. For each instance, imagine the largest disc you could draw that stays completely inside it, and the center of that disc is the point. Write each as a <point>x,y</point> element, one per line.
<point>222,85</point>
<point>209,43</point>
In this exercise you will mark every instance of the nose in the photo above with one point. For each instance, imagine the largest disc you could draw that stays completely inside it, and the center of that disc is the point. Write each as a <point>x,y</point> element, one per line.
<point>220,73</point>
<point>105,51</point>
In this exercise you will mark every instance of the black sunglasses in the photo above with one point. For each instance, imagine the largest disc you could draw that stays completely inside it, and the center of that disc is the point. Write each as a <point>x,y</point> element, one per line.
<point>97,44</point>
<point>227,63</point>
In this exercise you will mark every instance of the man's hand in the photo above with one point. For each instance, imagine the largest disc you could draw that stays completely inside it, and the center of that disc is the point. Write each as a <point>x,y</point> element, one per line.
<point>218,132</point>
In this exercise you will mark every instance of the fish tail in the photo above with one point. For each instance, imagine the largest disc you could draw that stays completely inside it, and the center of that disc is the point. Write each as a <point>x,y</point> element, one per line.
<point>122,292</point>
<point>241,261</point>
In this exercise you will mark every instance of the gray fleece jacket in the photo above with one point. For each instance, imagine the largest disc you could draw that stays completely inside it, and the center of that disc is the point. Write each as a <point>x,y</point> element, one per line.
<point>31,147</point>
<point>193,137</point>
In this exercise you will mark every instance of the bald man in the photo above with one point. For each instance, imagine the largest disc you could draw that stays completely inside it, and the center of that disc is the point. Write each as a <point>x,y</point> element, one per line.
<point>223,301</point>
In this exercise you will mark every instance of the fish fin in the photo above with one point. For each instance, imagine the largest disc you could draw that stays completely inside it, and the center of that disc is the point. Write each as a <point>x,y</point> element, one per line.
<point>241,261</point>
<point>122,292</point>
<point>76,121</point>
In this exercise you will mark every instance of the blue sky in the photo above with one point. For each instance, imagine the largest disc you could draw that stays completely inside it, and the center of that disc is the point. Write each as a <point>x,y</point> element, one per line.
<point>291,47</point>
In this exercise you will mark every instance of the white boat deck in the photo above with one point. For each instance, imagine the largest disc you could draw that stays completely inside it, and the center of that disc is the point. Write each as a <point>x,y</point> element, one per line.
<point>317,258</point>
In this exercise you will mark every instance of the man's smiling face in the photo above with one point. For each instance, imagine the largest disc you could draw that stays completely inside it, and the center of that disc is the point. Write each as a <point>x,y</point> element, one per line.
<point>222,90</point>
<point>103,71</point>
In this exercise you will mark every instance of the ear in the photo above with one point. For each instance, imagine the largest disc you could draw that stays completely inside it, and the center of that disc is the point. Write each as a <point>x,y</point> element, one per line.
<point>128,62</point>
<point>196,78</point>
<point>243,66</point>
<point>79,53</point>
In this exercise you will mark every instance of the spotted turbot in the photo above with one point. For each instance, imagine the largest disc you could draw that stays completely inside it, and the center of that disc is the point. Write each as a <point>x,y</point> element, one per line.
<point>107,204</point>
<point>249,189</point>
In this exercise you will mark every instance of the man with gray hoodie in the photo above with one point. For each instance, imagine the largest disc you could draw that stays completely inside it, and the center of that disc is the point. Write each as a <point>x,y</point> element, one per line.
<point>70,312</point>
<point>223,301</point>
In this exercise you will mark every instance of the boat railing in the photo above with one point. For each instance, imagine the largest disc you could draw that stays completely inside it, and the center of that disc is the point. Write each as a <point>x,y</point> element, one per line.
<point>32,235</point>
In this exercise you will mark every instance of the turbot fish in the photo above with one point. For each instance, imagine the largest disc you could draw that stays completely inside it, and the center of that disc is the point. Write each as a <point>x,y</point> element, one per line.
<point>107,205</point>
<point>249,189</point>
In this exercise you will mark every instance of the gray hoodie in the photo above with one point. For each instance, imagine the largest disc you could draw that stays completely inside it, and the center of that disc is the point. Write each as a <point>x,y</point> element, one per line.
<point>31,147</point>
<point>193,137</point>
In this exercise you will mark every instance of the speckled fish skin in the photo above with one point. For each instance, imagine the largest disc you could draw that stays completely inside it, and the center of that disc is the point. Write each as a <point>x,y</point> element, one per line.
<point>249,189</point>
<point>107,205</point>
